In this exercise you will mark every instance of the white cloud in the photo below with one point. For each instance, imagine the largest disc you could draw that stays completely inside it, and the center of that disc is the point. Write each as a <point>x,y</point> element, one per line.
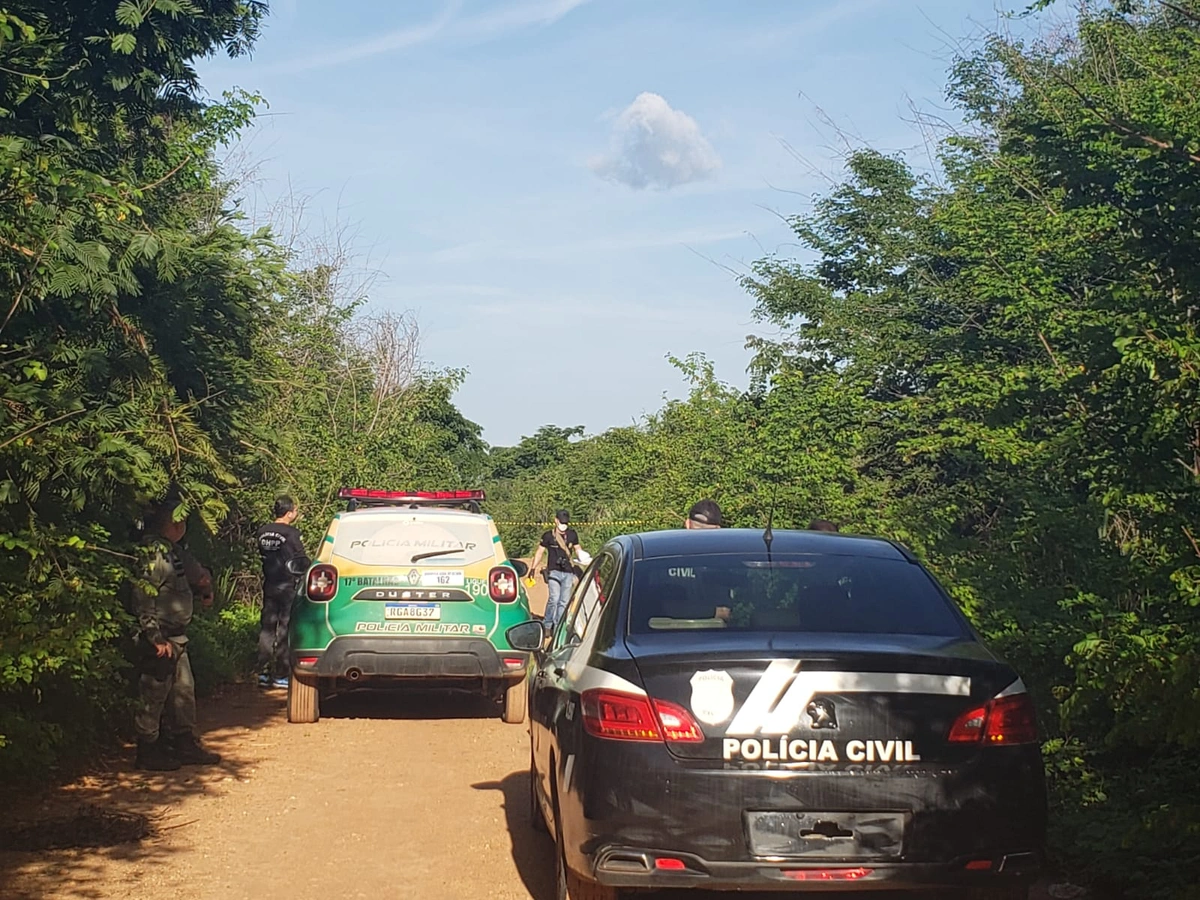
<point>656,146</point>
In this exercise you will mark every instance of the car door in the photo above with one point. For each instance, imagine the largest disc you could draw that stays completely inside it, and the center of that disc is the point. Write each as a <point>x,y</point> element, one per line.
<point>580,629</point>
<point>546,698</point>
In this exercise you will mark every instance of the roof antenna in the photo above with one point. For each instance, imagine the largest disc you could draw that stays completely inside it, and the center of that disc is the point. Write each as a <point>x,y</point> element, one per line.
<point>769,535</point>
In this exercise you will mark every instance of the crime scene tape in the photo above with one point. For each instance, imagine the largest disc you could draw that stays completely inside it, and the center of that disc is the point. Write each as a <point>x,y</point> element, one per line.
<point>575,524</point>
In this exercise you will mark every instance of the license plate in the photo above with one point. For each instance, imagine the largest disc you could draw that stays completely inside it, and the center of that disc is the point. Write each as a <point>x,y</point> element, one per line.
<point>412,611</point>
<point>841,835</point>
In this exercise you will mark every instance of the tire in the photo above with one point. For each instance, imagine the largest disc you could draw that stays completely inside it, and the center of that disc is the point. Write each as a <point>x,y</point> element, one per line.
<point>536,819</point>
<point>304,703</point>
<point>516,699</point>
<point>567,884</point>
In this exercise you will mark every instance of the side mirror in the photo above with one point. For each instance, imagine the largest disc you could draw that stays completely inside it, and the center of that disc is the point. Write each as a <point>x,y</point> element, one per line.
<point>522,569</point>
<point>527,636</point>
<point>299,566</point>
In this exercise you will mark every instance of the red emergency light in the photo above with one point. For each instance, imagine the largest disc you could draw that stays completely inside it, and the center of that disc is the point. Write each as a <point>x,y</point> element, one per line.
<point>410,496</point>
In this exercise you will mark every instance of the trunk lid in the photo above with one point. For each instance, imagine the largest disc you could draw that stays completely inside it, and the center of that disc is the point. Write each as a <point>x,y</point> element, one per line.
<point>818,700</point>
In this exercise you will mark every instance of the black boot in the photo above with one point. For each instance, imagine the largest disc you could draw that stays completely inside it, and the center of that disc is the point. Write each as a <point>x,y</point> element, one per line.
<point>155,756</point>
<point>189,752</point>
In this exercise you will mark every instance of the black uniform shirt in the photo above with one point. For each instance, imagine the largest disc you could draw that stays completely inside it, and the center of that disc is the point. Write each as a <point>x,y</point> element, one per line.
<point>556,560</point>
<point>278,544</point>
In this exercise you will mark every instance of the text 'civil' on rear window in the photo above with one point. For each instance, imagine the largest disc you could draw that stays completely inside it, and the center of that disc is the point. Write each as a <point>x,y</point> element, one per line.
<point>789,593</point>
<point>392,540</point>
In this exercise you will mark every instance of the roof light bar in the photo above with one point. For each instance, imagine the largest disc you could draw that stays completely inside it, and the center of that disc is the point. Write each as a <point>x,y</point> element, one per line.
<point>410,496</point>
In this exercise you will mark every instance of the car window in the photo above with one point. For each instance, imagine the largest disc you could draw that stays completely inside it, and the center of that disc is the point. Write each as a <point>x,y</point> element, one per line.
<point>596,586</point>
<point>788,593</point>
<point>395,539</point>
<point>565,632</point>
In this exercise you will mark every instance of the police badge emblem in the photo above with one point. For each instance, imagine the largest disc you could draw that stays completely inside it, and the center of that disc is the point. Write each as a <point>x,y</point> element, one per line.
<point>712,696</point>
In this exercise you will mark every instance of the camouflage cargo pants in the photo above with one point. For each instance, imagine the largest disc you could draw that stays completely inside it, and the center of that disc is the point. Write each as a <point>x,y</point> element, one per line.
<point>165,685</point>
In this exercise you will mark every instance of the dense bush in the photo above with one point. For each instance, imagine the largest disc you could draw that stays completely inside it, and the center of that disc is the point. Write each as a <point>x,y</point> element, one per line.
<point>222,644</point>
<point>150,340</point>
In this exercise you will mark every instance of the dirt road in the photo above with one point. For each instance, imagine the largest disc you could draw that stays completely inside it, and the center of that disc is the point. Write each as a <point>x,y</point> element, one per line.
<point>388,797</point>
<point>391,796</point>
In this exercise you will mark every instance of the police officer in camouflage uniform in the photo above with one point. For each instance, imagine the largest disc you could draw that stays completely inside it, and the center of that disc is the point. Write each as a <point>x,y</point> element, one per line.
<point>163,600</point>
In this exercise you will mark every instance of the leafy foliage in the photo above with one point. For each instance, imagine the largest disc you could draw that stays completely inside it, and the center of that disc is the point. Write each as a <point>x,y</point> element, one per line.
<point>149,341</point>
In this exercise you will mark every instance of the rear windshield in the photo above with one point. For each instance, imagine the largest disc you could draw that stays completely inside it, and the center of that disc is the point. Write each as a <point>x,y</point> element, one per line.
<point>394,540</point>
<point>791,593</point>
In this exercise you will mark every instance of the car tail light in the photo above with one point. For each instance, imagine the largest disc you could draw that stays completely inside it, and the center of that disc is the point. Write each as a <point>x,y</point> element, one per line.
<point>677,723</point>
<point>514,662</point>
<point>621,717</point>
<point>1012,720</point>
<point>502,584</point>
<point>322,583</point>
<point>629,717</point>
<point>1005,720</point>
<point>855,874</point>
<point>969,727</point>
<point>308,660</point>
<point>670,864</point>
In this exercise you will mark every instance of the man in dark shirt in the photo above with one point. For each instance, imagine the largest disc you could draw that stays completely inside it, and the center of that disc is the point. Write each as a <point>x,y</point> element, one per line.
<point>279,542</point>
<point>558,544</point>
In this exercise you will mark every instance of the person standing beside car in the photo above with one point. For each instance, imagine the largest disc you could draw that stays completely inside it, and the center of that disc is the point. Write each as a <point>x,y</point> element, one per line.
<point>279,542</point>
<point>163,601</point>
<point>557,545</point>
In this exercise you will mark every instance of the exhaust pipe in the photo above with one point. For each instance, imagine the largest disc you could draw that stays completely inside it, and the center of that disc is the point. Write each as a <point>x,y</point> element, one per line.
<point>353,674</point>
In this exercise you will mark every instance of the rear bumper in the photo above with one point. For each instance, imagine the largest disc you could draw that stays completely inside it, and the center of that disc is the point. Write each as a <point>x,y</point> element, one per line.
<point>433,659</point>
<point>625,804</point>
<point>634,868</point>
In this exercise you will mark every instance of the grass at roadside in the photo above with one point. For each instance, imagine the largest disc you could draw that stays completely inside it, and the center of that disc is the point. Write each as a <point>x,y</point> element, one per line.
<point>223,645</point>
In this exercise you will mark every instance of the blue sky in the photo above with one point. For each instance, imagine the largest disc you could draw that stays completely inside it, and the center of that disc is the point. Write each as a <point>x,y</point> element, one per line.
<point>563,190</point>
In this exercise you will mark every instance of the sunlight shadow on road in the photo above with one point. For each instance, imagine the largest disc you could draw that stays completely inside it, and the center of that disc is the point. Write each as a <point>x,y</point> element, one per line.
<point>388,703</point>
<point>229,722</point>
<point>532,851</point>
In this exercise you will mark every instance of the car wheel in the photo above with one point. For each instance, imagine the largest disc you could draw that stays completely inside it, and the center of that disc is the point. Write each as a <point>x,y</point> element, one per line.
<point>536,819</point>
<point>304,703</point>
<point>516,698</point>
<point>567,884</point>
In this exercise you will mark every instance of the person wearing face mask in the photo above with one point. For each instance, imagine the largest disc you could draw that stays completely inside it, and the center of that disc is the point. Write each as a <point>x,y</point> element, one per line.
<point>558,545</point>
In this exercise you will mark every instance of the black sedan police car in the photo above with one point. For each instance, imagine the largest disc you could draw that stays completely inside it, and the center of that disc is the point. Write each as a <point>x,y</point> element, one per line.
<point>797,711</point>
